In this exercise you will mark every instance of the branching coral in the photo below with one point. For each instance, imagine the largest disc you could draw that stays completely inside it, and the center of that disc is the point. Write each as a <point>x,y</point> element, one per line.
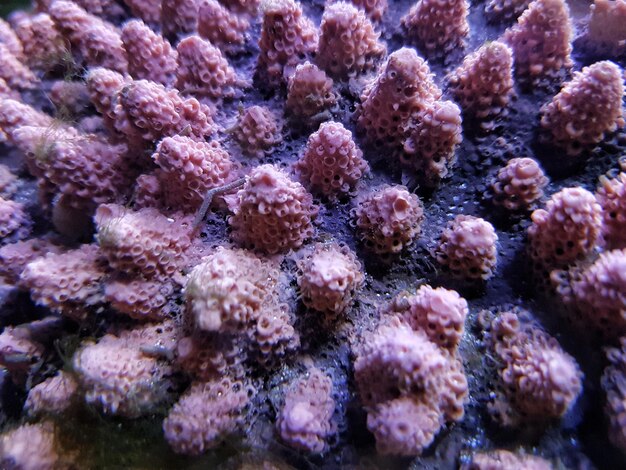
<point>148,11</point>
<point>14,72</point>
<point>179,17</point>
<point>519,184</point>
<point>43,45</point>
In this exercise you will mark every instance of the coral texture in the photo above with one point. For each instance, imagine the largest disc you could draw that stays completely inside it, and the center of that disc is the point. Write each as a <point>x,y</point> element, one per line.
<point>52,396</point>
<point>375,9</point>
<point>13,219</point>
<point>257,130</point>
<point>519,184</point>
<point>505,10</point>
<point>309,92</point>
<point>223,28</point>
<point>15,256</point>
<point>505,460</point>
<point>30,447</point>
<point>19,352</point>
<point>148,11</point>
<point>388,218</point>
<point>43,45</point>
<point>8,182</point>
<point>272,213</point>
<point>11,41</point>
<point>331,164</point>
<point>606,31</point>
<point>179,17</point>
<point>611,195</point>
<point>614,385</point>
<point>14,72</point>
<point>139,299</point>
<point>586,109</point>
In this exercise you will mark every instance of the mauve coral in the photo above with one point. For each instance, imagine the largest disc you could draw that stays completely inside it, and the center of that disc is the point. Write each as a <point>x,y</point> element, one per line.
<point>14,114</point>
<point>375,9</point>
<point>14,72</point>
<point>53,395</point>
<point>139,299</point>
<point>10,40</point>
<point>614,385</point>
<point>148,11</point>
<point>519,184</point>
<point>611,195</point>
<point>505,10</point>
<point>14,221</point>
<point>15,256</point>
<point>309,92</point>
<point>257,130</point>
<point>605,33</point>
<point>43,44</point>
<point>30,447</point>
<point>224,29</point>
<point>19,352</point>
<point>505,460</point>
<point>179,17</point>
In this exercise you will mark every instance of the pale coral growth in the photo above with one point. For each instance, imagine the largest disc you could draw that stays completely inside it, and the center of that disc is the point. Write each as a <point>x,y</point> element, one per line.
<point>597,293</point>
<point>257,130</point>
<point>7,92</point>
<point>144,242</point>
<point>52,396</point>
<point>8,182</point>
<point>229,290</point>
<point>68,283</point>
<point>614,385</point>
<point>223,28</point>
<point>430,149</point>
<point>69,98</point>
<point>211,356</point>
<point>388,218</point>
<point>329,278</point>
<point>188,169</point>
<point>440,313</point>
<point>611,195</point>
<point>150,56</point>
<point>179,17</point>
<point>437,25</point>
<point>15,256</point>
<point>149,11</point>
<point>273,336</point>
<point>44,47</point>
<point>14,72</point>
<point>10,40</point>
<point>119,379</point>
<point>606,30</point>
<point>30,447</point>
<point>108,9</point>
<point>375,9</point>
<point>152,339</point>
<point>14,114</point>
<point>331,164</point>
<point>540,380</point>
<point>287,38</point>
<point>206,415</point>
<point>309,92</point>
<point>404,87</point>
<point>272,213</point>
<point>505,10</point>
<point>518,185</point>
<point>139,299</point>
<point>483,83</point>
<point>348,43</point>
<point>566,230</point>
<point>468,248</point>
<point>19,352</point>
<point>14,221</point>
<point>505,460</point>
<point>148,111</point>
<point>244,7</point>
<point>103,86</point>
<point>97,42</point>
<point>541,40</point>
<point>203,70</point>
<point>586,109</point>
<point>304,422</point>
<point>409,387</point>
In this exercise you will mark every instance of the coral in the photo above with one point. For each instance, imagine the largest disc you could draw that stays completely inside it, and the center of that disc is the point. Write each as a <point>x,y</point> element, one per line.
<point>119,379</point>
<point>8,182</point>
<point>189,168</point>
<point>15,256</point>
<point>68,283</point>
<point>211,357</point>
<point>437,25</point>
<point>103,86</point>
<point>429,151</point>
<point>483,83</point>
<point>108,9</point>
<point>304,422</point>
<point>586,109</point>
<point>505,460</point>
<point>19,352</point>
<point>440,313</point>
<point>605,34</point>
<point>257,130</point>
<point>149,11</point>
<point>467,248</point>
<point>403,88</point>
<point>348,43</point>
<point>11,41</point>
<point>43,45</point>
<point>329,279</point>
<point>147,192</point>
<point>375,9</point>
<point>331,164</point>
<point>505,10</point>
<point>540,380</point>
<point>566,230</point>
<point>30,447</point>
<point>273,336</point>
<point>14,220</point>
<point>388,218</point>
<point>139,299</point>
<point>70,98</point>
<point>96,41</point>
<point>14,72</point>
<point>519,184</point>
<point>614,385</point>
<point>541,40</point>
<point>207,414</point>
<point>52,396</point>
<point>228,291</point>
<point>150,56</point>
<point>244,7</point>
<point>611,195</point>
<point>287,37</point>
<point>309,92</point>
<point>14,114</point>
<point>7,92</point>
<point>144,242</point>
<point>272,213</point>
<point>203,70</point>
<point>224,29</point>
<point>179,17</point>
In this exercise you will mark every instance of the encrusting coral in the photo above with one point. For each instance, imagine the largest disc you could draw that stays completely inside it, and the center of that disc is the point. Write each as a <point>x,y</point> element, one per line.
<point>139,299</point>
<point>586,109</point>
<point>518,185</point>
<point>148,11</point>
<point>611,195</point>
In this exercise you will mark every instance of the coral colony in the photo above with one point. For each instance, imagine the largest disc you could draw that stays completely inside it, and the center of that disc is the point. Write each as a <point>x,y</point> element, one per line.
<point>313,234</point>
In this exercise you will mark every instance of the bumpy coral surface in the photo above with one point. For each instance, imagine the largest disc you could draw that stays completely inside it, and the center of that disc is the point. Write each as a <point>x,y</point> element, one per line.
<point>388,219</point>
<point>272,213</point>
<point>15,256</point>
<point>611,195</point>
<point>586,109</point>
<point>309,92</point>
<point>438,25</point>
<point>13,71</point>
<point>348,42</point>
<point>223,28</point>
<point>42,43</point>
<point>375,9</point>
<point>614,385</point>
<point>606,30</point>
<point>139,299</point>
<point>179,17</point>
<point>52,396</point>
<point>331,164</point>
<point>13,219</point>
<point>519,184</point>
<point>257,130</point>
<point>30,447</point>
<point>505,460</point>
<point>304,421</point>
<point>19,352</point>
<point>147,10</point>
